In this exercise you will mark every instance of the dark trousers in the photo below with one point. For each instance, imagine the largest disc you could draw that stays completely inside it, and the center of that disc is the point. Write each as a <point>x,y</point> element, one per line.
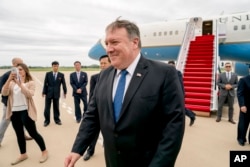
<point>21,119</point>
<point>91,148</point>
<point>77,101</point>
<point>244,120</point>
<point>230,101</point>
<point>189,113</point>
<point>55,109</point>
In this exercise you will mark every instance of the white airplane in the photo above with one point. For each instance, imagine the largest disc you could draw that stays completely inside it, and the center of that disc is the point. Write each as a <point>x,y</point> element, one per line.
<point>198,45</point>
<point>162,40</point>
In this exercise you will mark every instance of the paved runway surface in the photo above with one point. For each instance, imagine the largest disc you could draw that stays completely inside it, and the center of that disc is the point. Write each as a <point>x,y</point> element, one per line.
<point>206,144</point>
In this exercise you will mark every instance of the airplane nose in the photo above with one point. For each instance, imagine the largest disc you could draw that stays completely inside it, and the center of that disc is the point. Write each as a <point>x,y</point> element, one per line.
<point>97,51</point>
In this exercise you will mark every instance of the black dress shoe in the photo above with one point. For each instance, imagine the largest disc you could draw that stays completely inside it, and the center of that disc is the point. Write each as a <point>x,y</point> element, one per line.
<point>231,121</point>
<point>45,124</point>
<point>86,157</point>
<point>78,121</point>
<point>59,123</point>
<point>192,121</point>
<point>218,120</point>
<point>241,143</point>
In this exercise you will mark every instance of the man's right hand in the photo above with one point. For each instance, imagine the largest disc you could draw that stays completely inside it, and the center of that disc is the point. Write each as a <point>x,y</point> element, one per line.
<point>71,159</point>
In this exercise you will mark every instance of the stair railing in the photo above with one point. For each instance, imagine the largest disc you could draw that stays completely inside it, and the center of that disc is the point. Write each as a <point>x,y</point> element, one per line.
<point>193,26</point>
<point>214,99</point>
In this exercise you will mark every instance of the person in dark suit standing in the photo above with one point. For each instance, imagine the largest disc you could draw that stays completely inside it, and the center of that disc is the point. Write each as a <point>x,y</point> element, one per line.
<point>79,81</point>
<point>52,90</point>
<point>188,112</point>
<point>137,103</point>
<point>227,82</point>
<point>243,94</point>
<point>104,64</point>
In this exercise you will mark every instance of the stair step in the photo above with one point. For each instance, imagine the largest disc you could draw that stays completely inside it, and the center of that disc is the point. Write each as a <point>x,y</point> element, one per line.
<point>198,69</point>
<point>201,79</point>
<point>197,74</point>
<point>202,84</point>
<point>198,96</point>
<point>202,102</point>
<point>198,107</point>
<point>196,60</point>
<point>200,52</point>
<point>198,66</point>
<point>197,89</point>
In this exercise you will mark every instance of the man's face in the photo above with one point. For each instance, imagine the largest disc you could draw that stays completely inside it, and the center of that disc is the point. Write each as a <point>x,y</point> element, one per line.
<point>77,66</point>
<point>55,67</point>
<point>104,63</point>
<point>228,67</point>
<point>120,48</point>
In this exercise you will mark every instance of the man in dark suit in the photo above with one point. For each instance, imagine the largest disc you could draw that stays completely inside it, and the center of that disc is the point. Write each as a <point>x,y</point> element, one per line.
<point>52,90</point>
<point>227,82</point>
<point>188,112</point>
<point>104,64</point>
<point>243,93</point>
<point>137,103</point>
<point>79,81</point>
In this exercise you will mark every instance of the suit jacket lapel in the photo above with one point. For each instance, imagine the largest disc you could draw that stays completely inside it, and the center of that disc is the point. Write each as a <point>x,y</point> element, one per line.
<point>110,80</point>
<point>137,78</point>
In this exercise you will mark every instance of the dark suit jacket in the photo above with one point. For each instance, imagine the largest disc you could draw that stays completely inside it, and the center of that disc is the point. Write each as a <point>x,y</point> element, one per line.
<point>4,78</point>
<point>150,129</point>
<point>93,81</point>
<point>243,92</point>
<point>52,88</point>
<point>81,84</point>
<point>222,81</point>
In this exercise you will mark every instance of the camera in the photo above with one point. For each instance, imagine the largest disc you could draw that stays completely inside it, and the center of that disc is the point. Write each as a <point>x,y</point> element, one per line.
<point>14,70</point>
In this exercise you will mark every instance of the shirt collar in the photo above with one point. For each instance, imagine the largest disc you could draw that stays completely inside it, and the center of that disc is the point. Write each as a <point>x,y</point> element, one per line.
<point>132,66</point>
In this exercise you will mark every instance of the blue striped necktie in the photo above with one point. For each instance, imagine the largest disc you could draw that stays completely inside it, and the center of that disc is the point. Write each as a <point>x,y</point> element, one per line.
<point>119,94</point>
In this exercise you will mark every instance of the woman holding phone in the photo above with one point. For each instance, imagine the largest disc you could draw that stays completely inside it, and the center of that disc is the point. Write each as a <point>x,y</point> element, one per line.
<point>21,110</point>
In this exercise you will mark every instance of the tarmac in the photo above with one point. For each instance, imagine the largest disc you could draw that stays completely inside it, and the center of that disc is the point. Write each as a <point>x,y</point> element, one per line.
<point>205,144</point>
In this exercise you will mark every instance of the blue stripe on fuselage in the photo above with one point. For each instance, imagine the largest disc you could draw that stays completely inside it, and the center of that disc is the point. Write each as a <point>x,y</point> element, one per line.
<point>231,51</point>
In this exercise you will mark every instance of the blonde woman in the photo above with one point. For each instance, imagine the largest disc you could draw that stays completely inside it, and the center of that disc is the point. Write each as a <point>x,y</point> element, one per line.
<point>21,110</point>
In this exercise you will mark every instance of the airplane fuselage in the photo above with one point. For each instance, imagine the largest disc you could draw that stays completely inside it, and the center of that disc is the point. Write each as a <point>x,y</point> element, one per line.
<point>162,40</point>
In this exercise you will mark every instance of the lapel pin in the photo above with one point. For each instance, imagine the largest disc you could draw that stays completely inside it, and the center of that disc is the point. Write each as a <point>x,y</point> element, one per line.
<point>138,74</point>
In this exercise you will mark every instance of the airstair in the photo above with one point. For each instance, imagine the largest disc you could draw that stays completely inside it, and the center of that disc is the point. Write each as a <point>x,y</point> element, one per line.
<point>198,62</point>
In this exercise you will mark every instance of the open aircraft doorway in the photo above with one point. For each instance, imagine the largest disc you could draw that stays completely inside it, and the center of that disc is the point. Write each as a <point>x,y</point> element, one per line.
<point>207,27</point>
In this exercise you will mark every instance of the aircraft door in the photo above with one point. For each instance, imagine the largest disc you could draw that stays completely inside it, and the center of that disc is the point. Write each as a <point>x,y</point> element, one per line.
<point>207,27</point>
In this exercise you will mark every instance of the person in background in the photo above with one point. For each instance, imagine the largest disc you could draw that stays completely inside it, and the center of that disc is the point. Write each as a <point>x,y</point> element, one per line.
<point>52,90</point>
<point>243,94</point>
<point>137,103</point>
<point>227,82</point>
<point>4,122</point>
<point>79,81</point>
<point>21,110</point>
<point>188,112</point>
<point>104,64</point>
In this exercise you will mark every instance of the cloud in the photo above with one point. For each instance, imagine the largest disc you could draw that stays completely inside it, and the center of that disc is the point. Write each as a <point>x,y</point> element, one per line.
<point>64,29</point>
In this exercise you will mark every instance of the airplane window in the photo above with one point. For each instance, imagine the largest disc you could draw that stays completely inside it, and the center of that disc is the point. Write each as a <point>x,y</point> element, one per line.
<point>176,32</point>
<point>159,33</point>
<point>171,32</point>
<point>243,27</point>
<point>165,33</point>
<point>235,27</point>
<point>154,33</point>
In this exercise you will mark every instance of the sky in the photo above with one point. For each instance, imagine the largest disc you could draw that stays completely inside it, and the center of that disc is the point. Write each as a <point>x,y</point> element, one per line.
<point>41,31</point>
